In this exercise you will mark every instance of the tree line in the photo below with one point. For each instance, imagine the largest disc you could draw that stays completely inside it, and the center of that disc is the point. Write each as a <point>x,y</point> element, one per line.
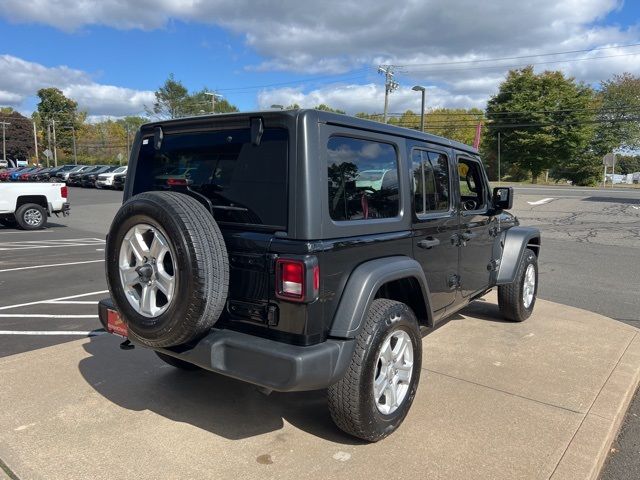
<point>546,123</point>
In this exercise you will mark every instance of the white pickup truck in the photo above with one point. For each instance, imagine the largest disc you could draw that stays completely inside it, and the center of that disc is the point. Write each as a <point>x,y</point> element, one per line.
<point>28,205</point>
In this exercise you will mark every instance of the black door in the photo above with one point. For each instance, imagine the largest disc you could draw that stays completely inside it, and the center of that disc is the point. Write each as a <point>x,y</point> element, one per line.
<point>435,224</point>
<point>476,227</point>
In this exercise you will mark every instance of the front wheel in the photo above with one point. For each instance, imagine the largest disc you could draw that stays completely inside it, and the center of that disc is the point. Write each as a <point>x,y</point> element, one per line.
<point>516,300</point>
<point>376,392</point>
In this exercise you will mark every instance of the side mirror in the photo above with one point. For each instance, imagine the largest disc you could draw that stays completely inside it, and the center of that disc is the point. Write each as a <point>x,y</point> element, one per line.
<point>503,198</point>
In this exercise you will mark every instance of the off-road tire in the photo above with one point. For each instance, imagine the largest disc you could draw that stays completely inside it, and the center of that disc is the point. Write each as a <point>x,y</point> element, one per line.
<point>510,296</point>
<point>202,268</point>
<point>26,209</point>
<point>176,362</point>
<point>351,399</point>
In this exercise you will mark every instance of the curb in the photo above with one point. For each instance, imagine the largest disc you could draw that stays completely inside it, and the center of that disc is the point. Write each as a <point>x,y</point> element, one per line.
<point>587,451</point>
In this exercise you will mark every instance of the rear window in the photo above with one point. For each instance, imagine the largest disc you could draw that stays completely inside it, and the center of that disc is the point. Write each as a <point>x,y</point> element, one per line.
<point>247,184</point>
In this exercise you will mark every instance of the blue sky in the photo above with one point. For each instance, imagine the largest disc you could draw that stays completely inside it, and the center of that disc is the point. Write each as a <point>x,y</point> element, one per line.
<point>110,58</point>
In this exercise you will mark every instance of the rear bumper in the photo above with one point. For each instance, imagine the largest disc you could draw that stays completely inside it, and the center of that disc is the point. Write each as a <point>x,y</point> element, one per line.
<point>261,361</point>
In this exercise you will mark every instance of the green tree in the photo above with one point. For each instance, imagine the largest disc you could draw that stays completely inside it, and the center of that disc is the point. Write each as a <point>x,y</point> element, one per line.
<point>200,103</point>
<point>618,102</point>
<point>18,134</point>
<point>56,110</point>
<point>627,164</point>
<point>171,99</point>
<point>543,121</point>
<point>326,108</point>
<point>458,124</point>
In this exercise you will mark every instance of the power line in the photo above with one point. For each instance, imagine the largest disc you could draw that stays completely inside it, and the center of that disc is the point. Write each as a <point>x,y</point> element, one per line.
<point>517,57</point>
<point>495,67</point>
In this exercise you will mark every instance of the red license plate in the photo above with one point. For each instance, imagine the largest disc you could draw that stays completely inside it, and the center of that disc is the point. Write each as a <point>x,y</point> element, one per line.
<point>115,324</point>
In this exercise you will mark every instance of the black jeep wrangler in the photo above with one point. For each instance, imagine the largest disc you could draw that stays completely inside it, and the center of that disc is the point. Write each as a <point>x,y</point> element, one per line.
<point>301,250</point>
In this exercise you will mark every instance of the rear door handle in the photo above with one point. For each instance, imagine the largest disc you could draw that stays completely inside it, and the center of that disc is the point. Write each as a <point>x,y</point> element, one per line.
<point>428,243</point>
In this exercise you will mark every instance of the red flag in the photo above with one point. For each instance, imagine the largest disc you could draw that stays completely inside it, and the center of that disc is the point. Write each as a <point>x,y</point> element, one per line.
<point>476,141</point>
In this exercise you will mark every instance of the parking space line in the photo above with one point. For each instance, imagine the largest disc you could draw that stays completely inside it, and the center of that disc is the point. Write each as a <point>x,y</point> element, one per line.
<point>71,297</point>
<point>50,265</point>
<point>75,333</point>
<point>54,243</point>
<point>25,232</point>
<point>72,302</point>
<point>43,315</point>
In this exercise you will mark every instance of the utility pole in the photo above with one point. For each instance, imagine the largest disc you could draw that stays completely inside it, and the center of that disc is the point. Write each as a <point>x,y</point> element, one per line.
<point>499,177</point>
<point>55,145</point>
<point>213,96</point>
<point>48,141</point>
<point>4,143</point>
<point>389,86</point>
<point>35,140</point>
<point>128,141</point>
<point>73,136</point>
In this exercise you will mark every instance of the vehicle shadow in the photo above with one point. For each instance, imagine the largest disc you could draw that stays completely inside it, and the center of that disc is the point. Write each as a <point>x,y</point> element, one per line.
<point>482,309</point>
<point>137,380</point>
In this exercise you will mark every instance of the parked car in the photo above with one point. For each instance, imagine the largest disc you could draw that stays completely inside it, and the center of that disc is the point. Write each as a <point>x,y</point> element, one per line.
<point>27,205</point>
<point>26,176</point>
<point>41,175</point>
<point>88,180</point>
<point>75,178</point>
<point>105,180</point>
<point>119,181</point>
<point>15,175</point>
<point>5,175</point>
<point>56,173</point>
<point>271,265</point>
<point>77,169</point>
<point>4,163</point>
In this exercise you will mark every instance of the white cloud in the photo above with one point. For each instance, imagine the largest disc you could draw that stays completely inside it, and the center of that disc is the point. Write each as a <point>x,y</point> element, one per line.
<point>367,98</point>
<point>21,80</point>
<point>108,99</point>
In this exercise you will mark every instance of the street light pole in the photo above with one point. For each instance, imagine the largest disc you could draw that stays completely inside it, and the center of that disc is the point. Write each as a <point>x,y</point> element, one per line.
<point>419,88</point>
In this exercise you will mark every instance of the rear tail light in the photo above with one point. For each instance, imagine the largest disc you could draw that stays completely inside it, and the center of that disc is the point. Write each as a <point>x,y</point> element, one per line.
<point>64,192</point>
<point>297,280</point>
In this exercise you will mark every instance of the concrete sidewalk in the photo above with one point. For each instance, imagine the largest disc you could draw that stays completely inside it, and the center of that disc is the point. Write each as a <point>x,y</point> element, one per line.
<point>541,399</point>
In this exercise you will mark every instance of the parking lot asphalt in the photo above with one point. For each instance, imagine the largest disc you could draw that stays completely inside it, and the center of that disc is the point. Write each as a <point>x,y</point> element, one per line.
<point>52,279</point>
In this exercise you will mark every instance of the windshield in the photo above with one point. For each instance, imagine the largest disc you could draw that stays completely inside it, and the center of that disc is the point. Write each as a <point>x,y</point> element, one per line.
<point>247,184</point>
<point>119,170</point>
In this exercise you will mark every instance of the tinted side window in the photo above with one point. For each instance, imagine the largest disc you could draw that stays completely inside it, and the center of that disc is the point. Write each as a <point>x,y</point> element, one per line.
<point>363,179</point>
<point>430,172</point>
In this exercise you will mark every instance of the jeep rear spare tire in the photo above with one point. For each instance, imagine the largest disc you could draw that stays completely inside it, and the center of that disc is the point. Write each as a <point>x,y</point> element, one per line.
<point>167,268</point>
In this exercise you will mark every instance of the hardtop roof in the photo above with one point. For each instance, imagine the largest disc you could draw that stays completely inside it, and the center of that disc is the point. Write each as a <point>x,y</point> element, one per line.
<point>322,117</point>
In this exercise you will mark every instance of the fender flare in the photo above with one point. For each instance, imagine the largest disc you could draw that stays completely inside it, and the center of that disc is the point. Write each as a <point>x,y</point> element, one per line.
<point>515,241</point>
<point>362,286</point>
